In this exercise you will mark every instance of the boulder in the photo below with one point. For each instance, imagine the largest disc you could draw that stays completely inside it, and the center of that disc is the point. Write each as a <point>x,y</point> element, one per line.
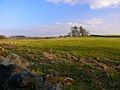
<point>14,75</point>
<point>16,60</point>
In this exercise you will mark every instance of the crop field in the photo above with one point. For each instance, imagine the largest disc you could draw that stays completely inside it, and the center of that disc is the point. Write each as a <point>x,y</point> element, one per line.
<point>92,62</point>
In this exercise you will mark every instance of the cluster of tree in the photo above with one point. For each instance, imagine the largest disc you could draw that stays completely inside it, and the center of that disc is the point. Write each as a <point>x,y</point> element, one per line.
<point>78,31</point>
<point>2,37</point>
<point>18,37</point>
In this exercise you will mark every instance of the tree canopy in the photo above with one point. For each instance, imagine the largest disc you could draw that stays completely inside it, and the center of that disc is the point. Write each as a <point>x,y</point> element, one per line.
<point>78,31</point>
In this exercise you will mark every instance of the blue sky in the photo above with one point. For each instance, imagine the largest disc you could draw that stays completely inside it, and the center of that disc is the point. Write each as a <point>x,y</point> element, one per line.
<point>54,17</point>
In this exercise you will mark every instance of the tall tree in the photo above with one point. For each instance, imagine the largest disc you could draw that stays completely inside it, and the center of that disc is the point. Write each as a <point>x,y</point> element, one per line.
<point>74,31</point>
<point>78,31</point>
<point>81,31</point>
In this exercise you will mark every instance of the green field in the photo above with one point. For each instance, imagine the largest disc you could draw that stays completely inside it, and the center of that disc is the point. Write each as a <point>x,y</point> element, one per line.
<point>93,62</point>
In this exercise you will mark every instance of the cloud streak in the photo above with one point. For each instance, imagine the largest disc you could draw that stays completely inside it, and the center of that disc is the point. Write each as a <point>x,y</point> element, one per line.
<point>94,25</point>
<point>94,4</point>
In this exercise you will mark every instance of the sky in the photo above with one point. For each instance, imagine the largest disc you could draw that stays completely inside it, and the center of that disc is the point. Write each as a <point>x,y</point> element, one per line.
<point>55,17</point>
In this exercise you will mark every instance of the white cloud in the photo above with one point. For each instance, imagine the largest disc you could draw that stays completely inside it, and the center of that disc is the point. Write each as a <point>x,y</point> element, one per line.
<point>106,25</point>
<point>71,2</point>
<point>94,25</point>
<point>94,4</point>
<point>94,22</point>
<point>104,3</point>
<point>103,26</point>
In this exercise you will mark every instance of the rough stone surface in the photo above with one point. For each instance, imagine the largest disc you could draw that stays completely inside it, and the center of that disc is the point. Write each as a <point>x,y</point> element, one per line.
<point>16,60</point>
<point>15,73</point>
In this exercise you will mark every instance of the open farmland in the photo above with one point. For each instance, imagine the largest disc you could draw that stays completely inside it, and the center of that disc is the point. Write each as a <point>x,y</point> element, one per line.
<point>93,62</point>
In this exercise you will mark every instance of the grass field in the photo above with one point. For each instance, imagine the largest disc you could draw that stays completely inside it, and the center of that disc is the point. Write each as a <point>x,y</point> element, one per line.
<point>93,62</point>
